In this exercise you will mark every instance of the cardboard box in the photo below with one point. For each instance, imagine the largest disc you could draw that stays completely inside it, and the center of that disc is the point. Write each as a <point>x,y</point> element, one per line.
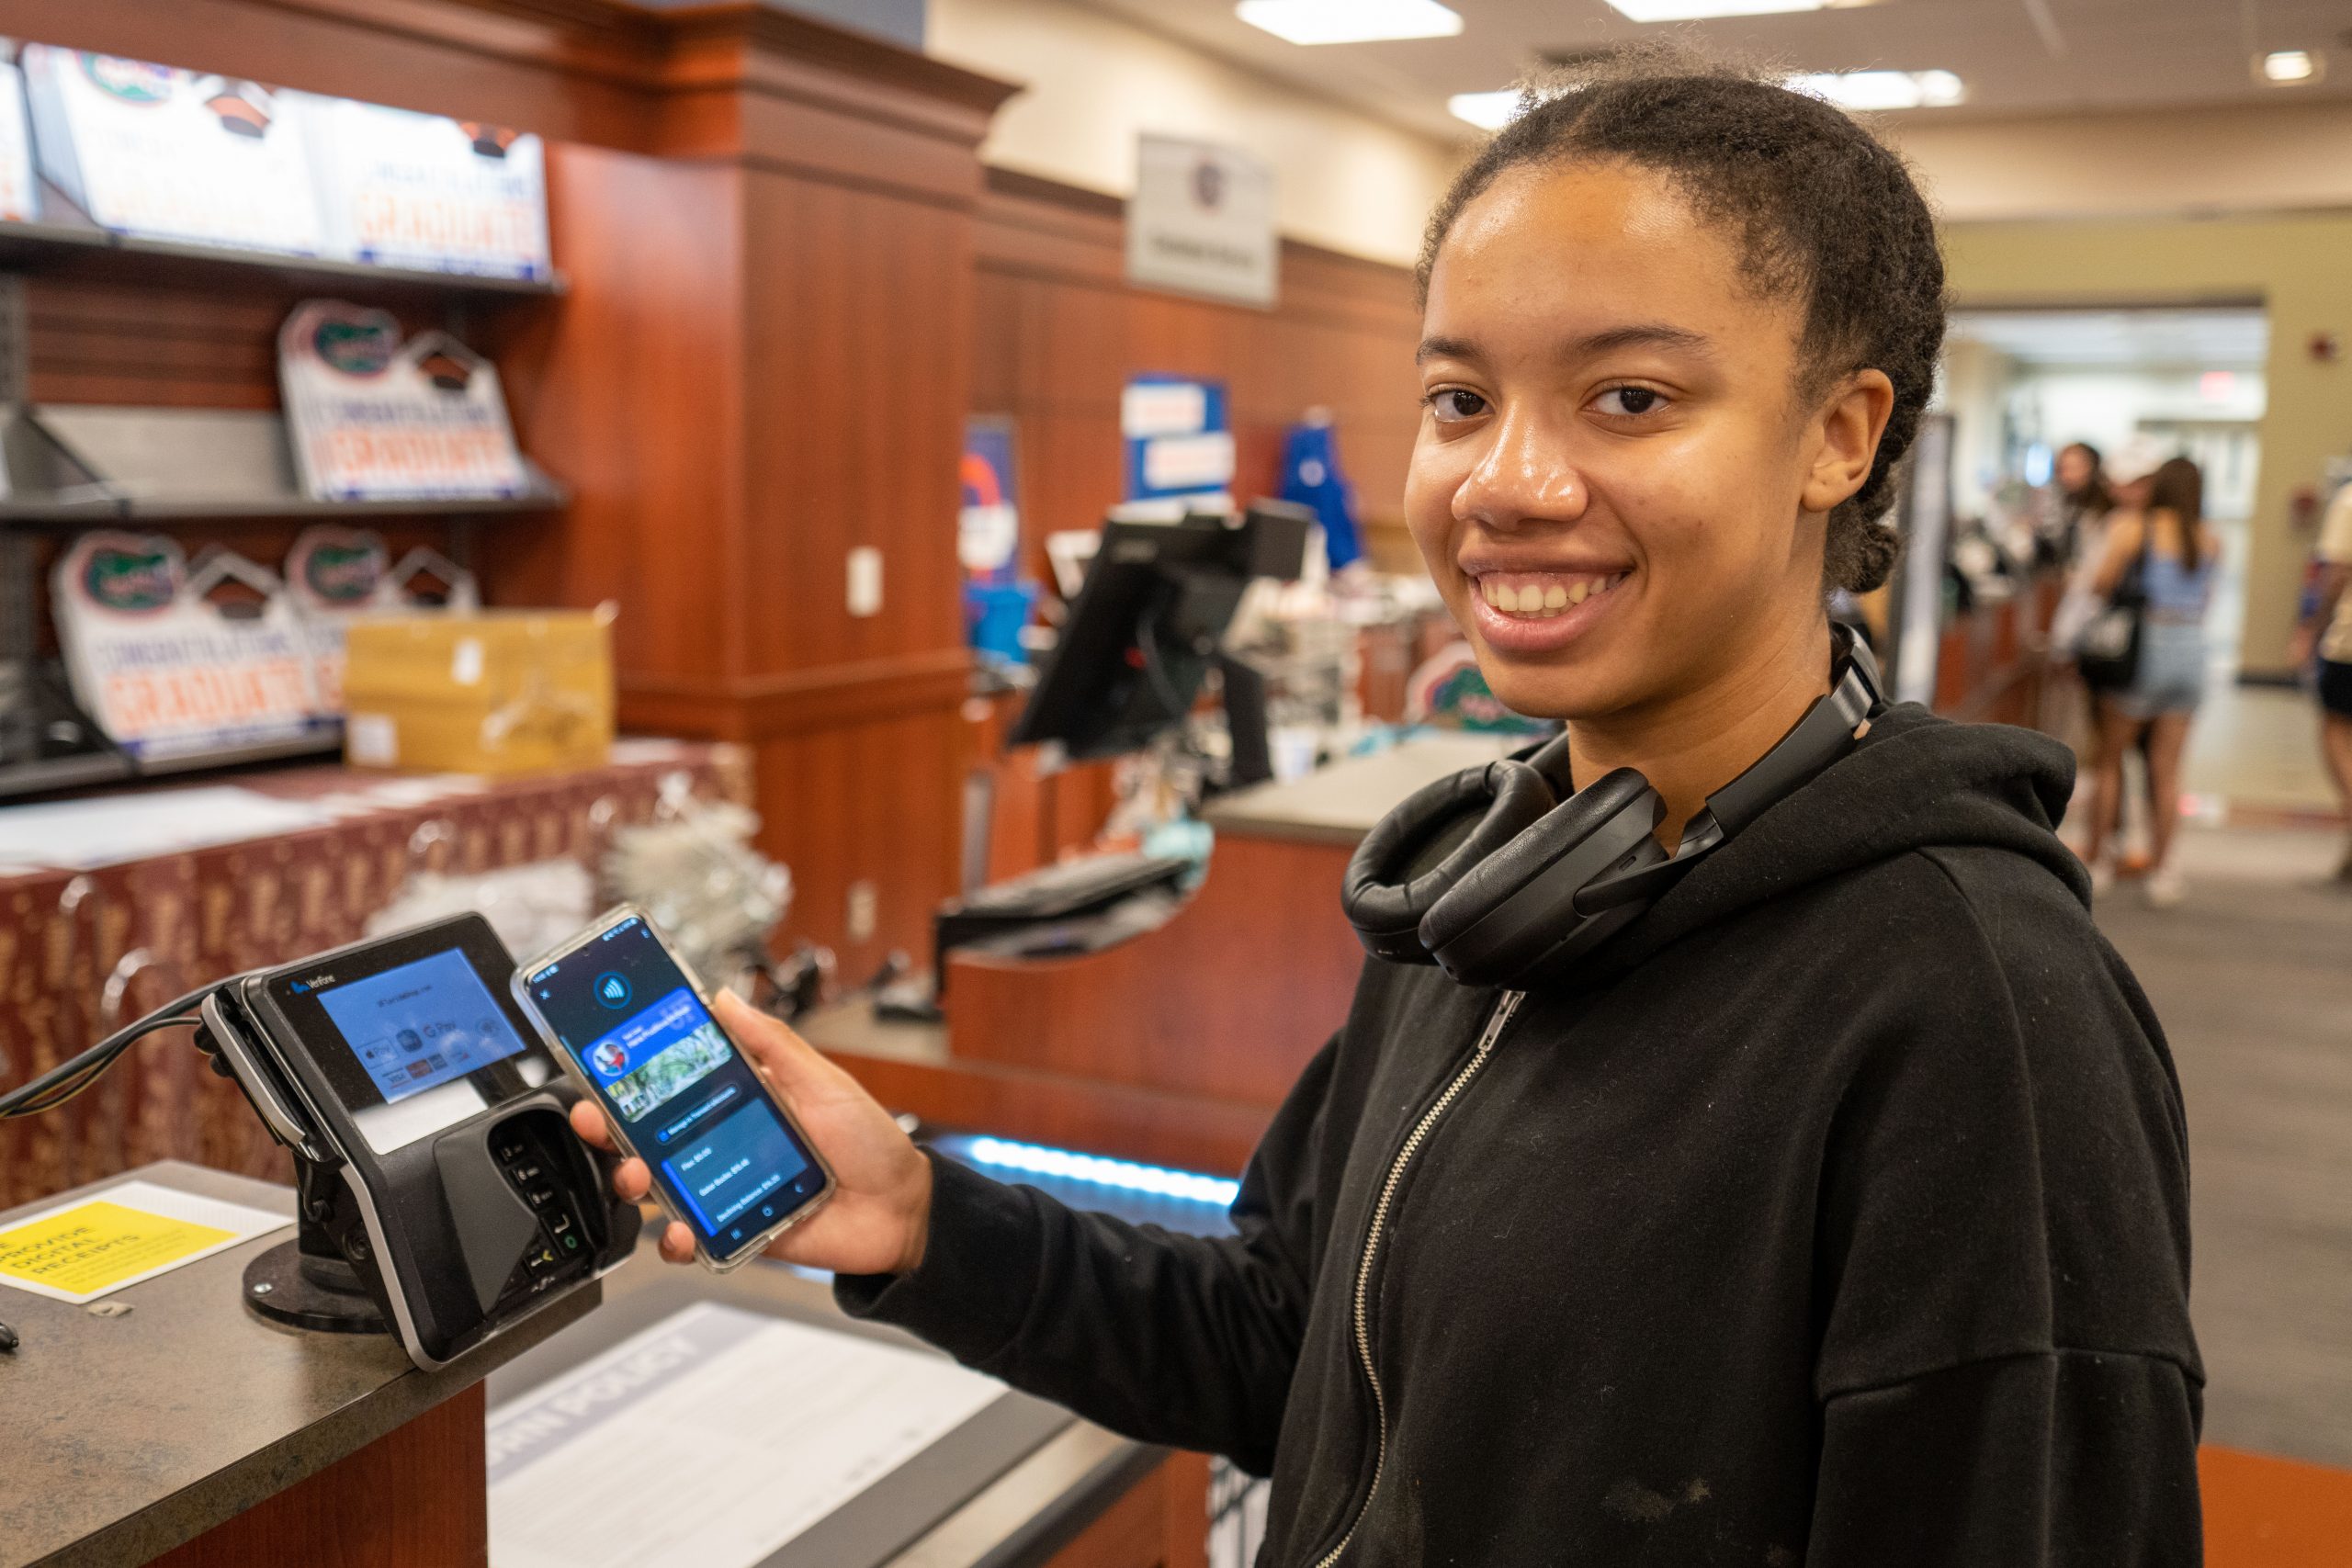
<point>499,692</point>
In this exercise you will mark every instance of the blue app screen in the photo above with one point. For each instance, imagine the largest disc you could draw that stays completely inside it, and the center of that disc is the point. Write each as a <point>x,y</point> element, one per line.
<point>688,1102</point>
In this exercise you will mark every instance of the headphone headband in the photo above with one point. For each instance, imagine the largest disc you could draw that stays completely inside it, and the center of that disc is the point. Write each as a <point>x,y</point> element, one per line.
<point>1550,872</point>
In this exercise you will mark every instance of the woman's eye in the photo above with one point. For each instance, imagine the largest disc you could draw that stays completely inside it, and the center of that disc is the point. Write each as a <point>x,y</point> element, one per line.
<point>1452,404</point>
<point>1630,401</point>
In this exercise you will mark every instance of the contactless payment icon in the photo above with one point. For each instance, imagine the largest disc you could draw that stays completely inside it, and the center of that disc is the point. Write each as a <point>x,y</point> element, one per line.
<point>612,989</point>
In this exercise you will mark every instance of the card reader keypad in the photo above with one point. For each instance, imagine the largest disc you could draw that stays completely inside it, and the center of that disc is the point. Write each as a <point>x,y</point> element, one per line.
<point>562,1248</point>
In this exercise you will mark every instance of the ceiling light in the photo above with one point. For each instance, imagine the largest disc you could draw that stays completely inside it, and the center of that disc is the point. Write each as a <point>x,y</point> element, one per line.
<point>2286,67</point>
<point>1881,89</point>
<point>1699,10</point>
<point>1487,111</point>
<point>1350,21</point>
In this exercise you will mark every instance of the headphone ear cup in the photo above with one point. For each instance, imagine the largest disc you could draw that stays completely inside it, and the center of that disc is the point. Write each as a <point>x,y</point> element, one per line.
<point>1385,904</point>
<point>1519,904</point>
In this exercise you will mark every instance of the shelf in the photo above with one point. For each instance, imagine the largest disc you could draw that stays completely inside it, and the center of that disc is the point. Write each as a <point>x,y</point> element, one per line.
<point>31,514</point>
<point>69,242</point>
<point>54,774</point>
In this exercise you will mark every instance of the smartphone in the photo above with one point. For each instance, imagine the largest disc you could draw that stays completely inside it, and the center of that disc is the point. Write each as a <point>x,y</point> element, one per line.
<point>630,1024</point>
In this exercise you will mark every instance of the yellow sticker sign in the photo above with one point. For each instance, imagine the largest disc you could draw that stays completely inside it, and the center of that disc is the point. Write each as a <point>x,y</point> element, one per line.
<point>96,1246</point>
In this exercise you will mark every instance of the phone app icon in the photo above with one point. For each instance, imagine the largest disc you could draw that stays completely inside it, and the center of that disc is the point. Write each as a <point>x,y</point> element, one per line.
<point>612,988</point>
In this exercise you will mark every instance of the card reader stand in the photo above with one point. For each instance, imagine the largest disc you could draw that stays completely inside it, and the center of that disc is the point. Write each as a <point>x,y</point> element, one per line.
<point>519,1231</point>
<point>307,1283</point>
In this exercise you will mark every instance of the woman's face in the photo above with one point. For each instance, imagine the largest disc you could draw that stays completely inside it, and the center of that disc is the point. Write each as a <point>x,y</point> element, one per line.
<point>1615,485</point>
<point>2074,468</point>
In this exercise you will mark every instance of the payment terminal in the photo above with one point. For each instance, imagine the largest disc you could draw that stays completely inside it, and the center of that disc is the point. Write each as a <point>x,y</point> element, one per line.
<point>443,1194</point>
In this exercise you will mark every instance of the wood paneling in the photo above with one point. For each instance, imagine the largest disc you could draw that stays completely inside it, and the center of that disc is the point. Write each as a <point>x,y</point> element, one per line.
<point>760,365</point>
<point>1161,1522</point>
<point>1060,332</point>
<point>1225,1001</point>
<point>414,1495</point>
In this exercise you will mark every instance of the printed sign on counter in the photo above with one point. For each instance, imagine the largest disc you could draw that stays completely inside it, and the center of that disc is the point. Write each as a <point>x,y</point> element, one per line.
<point>166,671</point>
<point>80,1251</point>
<point>165,153</point>
<point>372,418</point>
<point>1202,221</point>
<point>787,1422</point>
<point>419,190</point>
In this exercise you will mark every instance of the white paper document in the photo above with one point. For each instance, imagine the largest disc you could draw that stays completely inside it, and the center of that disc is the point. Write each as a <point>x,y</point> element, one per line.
<point>75,835</point>
<point>710,1440</point>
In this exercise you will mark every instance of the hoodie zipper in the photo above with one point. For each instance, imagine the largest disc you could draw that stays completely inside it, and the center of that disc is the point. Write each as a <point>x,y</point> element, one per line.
<point>1362,1320</point>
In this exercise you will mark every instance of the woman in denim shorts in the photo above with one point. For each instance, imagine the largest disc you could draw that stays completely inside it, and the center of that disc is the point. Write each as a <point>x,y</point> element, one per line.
<point>2178,557</point>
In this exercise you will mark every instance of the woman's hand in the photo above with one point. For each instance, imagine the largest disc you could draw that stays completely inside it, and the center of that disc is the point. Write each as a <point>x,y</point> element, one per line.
<point>879,1216</point>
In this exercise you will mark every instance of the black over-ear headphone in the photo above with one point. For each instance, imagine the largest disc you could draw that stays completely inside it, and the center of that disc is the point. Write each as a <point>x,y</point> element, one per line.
<point>1550,871</point>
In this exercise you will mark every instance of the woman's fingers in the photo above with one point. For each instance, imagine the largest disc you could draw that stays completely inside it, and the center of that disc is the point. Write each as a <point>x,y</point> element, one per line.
<point>632,1181</point>
<point>588,1122</point>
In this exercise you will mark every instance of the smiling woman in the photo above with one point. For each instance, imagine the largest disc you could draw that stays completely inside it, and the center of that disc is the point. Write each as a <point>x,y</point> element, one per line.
<point>1680,327</point>
<point>1741,1147</point>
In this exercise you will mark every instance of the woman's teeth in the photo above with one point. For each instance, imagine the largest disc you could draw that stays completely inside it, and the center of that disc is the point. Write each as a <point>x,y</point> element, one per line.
<point>1541,596</point>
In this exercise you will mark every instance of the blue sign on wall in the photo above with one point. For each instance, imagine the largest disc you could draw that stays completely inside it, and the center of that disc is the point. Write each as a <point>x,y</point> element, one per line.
<point>1178,437</point>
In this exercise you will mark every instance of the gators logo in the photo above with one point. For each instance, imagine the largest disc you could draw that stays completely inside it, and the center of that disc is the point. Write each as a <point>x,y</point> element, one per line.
<point>130,580</point>
<point>132,81</point>
<point>361,344</point>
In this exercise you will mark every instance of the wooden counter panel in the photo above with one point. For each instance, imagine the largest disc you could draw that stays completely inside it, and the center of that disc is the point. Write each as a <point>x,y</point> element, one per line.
<point>414,1495</point>
<point>1228,999</point>
<point>1161,1523</point>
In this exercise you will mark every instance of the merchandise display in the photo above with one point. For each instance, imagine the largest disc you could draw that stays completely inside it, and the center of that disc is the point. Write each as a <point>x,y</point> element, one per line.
<point>372,418</point>
<point>164,153</point>
<point>418,190</point>
<point>336,573</point>
<point>166,671</point>
<point>19,193</point>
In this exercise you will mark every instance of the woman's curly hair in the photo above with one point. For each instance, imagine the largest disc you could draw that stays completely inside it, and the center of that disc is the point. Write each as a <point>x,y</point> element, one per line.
<point>1827,217</point>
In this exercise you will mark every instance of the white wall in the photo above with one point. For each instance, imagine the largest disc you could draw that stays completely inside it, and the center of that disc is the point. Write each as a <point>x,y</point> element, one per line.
<point>1342,179</point>
<point>2105,407</point>
<point>2200,161</point>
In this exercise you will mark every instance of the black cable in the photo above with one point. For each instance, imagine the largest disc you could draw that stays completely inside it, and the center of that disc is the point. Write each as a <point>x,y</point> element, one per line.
<point>73,1075</point>
<point>1154,670</point>
<point>34,1105</point>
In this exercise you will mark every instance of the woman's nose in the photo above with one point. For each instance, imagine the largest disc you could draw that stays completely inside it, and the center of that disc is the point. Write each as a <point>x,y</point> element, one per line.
<point>1524,476</point>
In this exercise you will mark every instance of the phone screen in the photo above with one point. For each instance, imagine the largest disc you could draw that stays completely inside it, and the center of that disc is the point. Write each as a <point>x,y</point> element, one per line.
<point>686,1100</point>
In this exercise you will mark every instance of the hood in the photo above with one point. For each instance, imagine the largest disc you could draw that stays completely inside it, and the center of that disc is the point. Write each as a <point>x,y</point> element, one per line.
<point>1914,782</point>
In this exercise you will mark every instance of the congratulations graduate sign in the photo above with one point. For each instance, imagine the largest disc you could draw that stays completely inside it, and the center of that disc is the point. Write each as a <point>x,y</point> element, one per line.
<point>420,190</point>
<point>165,669</point>
<point>372,418</point>
<point>154,151</point>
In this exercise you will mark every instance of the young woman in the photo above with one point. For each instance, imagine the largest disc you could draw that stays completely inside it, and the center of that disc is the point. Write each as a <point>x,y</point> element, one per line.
<point>1833,1211</point>
<point>2176,558</point>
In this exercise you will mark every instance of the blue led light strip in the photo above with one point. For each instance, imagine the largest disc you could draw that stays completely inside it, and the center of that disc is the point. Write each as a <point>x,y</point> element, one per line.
<point>1161,1183</point>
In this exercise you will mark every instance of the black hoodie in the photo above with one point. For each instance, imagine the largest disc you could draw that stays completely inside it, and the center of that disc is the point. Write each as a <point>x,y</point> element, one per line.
<point>1838,1215</point>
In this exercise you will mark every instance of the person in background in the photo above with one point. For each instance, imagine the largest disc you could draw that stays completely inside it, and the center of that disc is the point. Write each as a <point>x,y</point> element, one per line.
<point>2076,504</point>
<point>2071,526</point>
<point>2329,633</point>
<point>2177,557</point>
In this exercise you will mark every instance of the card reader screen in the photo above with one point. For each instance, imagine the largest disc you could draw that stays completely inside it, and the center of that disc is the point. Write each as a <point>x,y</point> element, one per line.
<point>421,1024</point>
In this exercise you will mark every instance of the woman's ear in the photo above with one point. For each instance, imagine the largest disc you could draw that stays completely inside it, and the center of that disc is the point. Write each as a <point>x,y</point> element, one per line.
<point>1844,438</point>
